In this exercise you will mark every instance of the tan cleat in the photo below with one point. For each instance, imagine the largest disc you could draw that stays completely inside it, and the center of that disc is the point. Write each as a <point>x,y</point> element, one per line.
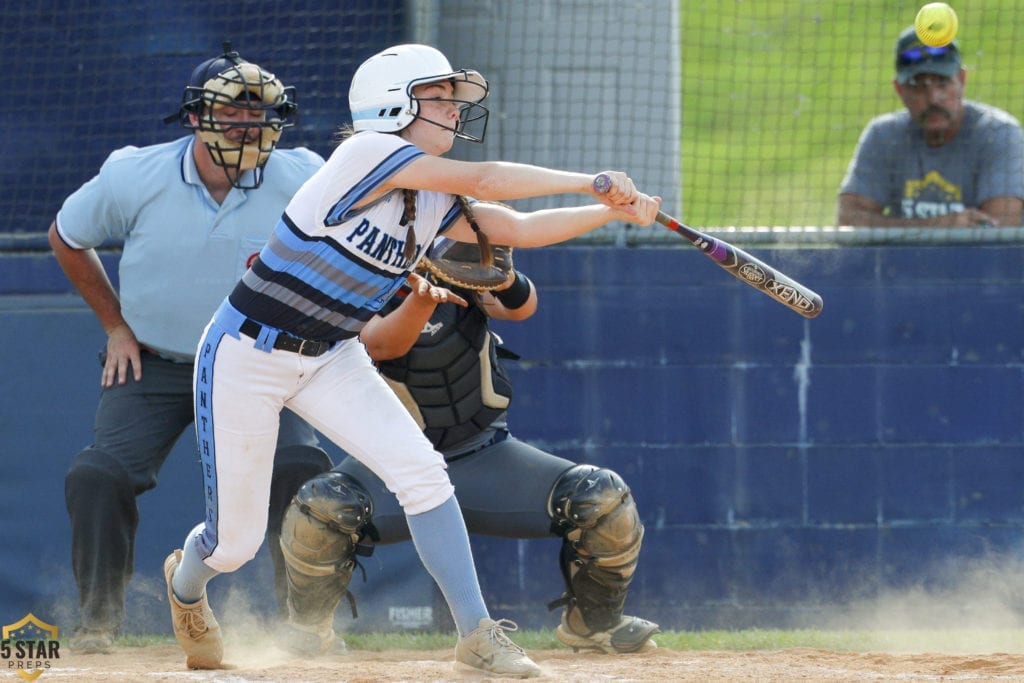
<point>489,649</point>
<point>195,627</point>
<point>631,634</point>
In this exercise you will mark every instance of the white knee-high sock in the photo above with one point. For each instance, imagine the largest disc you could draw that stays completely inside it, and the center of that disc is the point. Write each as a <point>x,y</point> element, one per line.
<point>442,543</point>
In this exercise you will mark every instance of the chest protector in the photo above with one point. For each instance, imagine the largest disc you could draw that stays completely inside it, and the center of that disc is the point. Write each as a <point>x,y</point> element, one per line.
<point>451,380</point>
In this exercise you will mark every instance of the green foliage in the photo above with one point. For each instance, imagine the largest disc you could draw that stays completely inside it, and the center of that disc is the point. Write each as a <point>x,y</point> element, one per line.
<point>776,92</point>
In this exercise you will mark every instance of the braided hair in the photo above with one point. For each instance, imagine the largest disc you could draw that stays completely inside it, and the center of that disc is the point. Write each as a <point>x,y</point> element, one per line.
<point>482,241</point>
<point>409,217</point>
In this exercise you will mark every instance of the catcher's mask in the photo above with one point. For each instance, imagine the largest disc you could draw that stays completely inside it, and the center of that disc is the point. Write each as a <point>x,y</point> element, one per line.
<point>380,97</point>
<point>244,144</point>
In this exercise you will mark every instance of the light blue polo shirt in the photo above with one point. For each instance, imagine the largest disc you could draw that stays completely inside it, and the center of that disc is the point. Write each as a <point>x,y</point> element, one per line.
<point>183,252</point>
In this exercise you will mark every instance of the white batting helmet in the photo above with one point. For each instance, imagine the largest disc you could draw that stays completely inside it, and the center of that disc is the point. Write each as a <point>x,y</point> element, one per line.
<point>380,97</point>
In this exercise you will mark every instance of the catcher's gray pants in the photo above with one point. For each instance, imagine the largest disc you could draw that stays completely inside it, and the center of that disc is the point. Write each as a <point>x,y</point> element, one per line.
<point>137,425</point>
<point>502,489</point>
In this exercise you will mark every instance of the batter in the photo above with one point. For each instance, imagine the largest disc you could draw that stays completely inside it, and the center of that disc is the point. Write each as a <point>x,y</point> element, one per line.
<point>286,337</point>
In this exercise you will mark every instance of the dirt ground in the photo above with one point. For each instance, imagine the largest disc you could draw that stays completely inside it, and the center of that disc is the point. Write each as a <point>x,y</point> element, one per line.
<point>166,663</point>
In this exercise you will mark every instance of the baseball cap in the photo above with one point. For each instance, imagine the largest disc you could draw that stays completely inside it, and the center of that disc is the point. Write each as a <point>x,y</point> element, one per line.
<point>216,65</point>
<point>197,81</point>
<point>914,57</point>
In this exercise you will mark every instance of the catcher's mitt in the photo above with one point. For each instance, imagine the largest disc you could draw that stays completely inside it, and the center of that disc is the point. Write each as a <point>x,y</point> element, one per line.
<point>460,264</point>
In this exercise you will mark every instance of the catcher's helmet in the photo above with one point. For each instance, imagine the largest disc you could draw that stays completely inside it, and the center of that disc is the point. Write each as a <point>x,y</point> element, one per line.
<point>230,81</point>
<point>380,97</point>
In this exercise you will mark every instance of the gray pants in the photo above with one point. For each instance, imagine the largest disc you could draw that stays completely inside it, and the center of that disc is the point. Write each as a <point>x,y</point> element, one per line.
<point>137,425</point>
<point>502,489</point>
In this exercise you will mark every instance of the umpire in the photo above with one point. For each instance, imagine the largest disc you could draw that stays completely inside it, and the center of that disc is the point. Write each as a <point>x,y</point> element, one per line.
<point>191,214</point>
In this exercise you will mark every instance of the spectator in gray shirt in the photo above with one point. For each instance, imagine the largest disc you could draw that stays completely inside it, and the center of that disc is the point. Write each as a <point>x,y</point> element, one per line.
<point>942,161</point>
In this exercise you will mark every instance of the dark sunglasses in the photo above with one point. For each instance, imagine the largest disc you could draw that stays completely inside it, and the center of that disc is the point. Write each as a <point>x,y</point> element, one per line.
<point>916,55</point>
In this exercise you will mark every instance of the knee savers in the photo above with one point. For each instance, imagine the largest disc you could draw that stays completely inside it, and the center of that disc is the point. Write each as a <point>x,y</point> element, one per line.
<point>325,521</point>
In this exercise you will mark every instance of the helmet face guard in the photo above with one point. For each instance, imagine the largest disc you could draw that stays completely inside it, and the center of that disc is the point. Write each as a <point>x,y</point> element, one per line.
<point>473,116</point>
<point>381,96</point>
<point>244,144</point>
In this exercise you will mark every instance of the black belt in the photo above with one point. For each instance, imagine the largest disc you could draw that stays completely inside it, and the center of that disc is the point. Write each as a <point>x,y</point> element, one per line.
<point>286,342</point>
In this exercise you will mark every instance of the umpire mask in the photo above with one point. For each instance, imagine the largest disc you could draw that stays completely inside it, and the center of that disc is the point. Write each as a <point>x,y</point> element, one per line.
<point>219,102</point>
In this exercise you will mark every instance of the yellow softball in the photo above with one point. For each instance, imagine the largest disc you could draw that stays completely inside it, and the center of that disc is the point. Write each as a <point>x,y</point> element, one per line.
<point>936,24</point>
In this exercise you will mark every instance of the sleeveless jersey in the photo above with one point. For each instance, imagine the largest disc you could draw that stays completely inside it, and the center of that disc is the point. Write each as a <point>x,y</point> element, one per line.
<point>451,380</point>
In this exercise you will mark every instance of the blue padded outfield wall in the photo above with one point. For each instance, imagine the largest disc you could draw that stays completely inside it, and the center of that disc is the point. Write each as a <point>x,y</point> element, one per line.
<point>787,471</point>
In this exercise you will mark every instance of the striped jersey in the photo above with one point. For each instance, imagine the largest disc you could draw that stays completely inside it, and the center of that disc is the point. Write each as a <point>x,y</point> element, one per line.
<point>328,267</point>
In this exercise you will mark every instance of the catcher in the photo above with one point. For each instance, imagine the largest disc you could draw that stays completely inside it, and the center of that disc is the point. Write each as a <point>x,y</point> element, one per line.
<point>434,347</point>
